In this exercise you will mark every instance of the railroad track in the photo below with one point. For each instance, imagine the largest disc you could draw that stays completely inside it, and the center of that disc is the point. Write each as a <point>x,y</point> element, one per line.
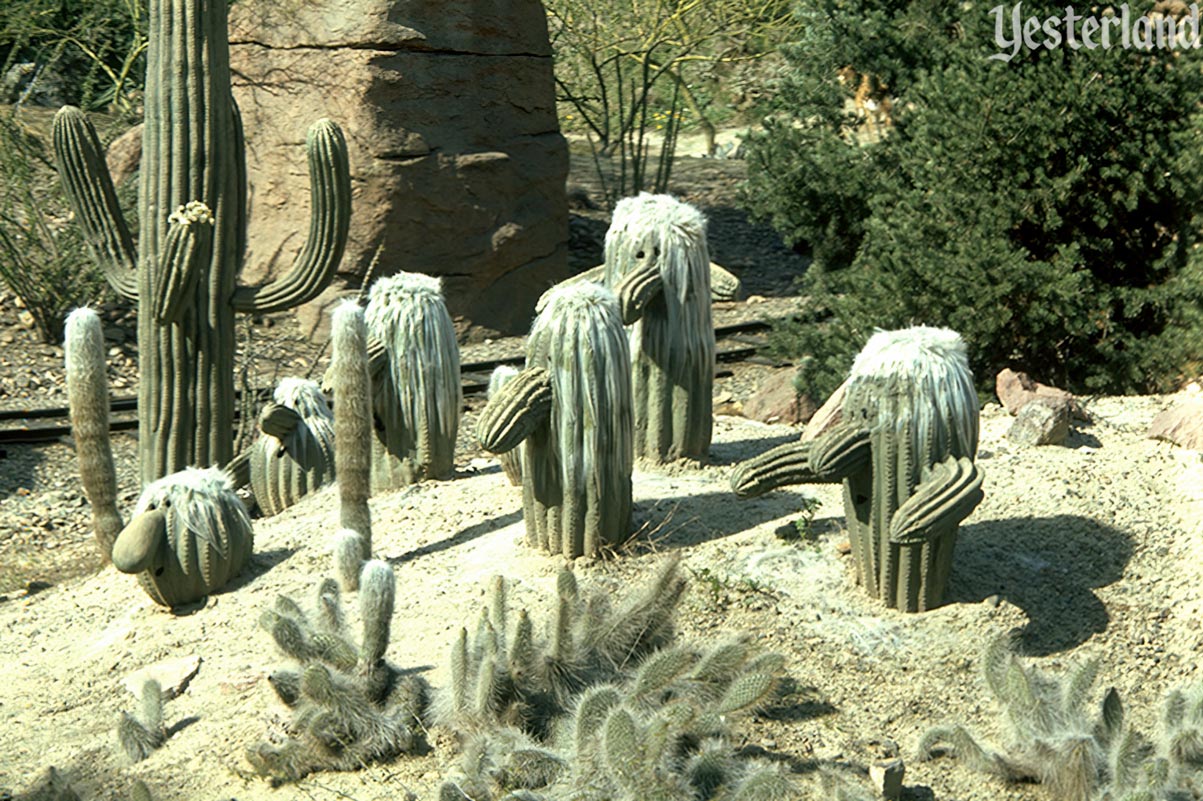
<point>735,343</point>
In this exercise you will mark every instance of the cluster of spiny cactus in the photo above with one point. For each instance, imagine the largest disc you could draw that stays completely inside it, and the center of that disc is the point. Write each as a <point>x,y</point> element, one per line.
<point>1056,741</point>
<point>351,707</point>
<point>141,733</point>
<point>604,704</point>
<point>54,786</point>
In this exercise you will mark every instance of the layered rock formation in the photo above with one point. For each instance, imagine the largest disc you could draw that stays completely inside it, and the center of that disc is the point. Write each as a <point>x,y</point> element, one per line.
<point>457,163</point>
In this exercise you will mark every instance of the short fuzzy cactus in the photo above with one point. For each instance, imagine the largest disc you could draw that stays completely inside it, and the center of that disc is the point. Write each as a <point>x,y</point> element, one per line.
<point>188,536</point>
<point>351,382</point>
<point>571,407</point>
<point>511,460</point>
<point>419,397</point>
<point>294,454</point>
<point>656,246</point>
<point>350,706</point>
<point>905,453</point>
<point>88,400</point>
<point>141,733</point>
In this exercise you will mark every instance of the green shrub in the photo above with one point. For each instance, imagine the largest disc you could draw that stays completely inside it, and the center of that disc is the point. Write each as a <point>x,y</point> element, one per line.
<point>1046,208</point>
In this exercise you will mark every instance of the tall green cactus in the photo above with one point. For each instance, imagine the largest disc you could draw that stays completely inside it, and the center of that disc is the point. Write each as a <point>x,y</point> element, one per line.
<point>905,453</point>
<point>658,263</point>
<point>192,212</point>
<point>511,461</point>
<point>572,407</point>
<point>418,399</point>
<point>353,436</point>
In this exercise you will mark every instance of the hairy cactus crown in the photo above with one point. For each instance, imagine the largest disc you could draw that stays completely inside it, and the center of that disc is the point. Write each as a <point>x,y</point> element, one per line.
<point>200,499</point>
<point>677,230</point>
<point>304,397</point>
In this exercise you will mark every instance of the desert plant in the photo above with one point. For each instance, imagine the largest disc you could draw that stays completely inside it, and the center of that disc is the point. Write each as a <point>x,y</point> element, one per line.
<point>1053,740</point>
<point>351,707</point>
<point>294,454</point>
<point>604,705</point>
<point>511,461</point>
<point>88,402</point>
<point>351,383</point>
<point>418,398</point>
<point>571,407</point>
<point>905,453</point>
<point>192,215</point>
<point>43,257</point>
<point>188,536</point>
<point>141,733</point>
<point>657,261</point>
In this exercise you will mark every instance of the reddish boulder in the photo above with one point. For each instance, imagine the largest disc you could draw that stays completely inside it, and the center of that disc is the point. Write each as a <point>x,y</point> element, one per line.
<point>1181,424</point>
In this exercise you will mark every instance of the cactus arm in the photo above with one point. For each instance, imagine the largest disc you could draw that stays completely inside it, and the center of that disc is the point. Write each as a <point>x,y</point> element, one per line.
<point>89,189</point>
<point>830,458</point>
<point>839,453</point>
<point>948,494</point>
<point>239,470</point>
<point>514,413</point>
<point>330,219</point>
<point>188,243</point>
<point>278,421</point>
<point>140,541</point>
<point>596,275</point>
<point>635,291</point>
<point>724,285</point>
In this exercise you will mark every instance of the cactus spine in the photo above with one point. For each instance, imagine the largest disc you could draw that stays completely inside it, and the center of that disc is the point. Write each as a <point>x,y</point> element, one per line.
<point>419,396</point>
<point>572,407</point>
<point>88,399</point>
<point>189,535</point>
<point>294,454</point>
<point>353,435</point>
<point>657,245</point>
<point>192,212</point>
<point>905,454</point>
<point>511,460</point>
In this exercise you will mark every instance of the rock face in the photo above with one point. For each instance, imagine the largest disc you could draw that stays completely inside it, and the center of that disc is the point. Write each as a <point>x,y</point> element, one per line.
<point>457,164</point>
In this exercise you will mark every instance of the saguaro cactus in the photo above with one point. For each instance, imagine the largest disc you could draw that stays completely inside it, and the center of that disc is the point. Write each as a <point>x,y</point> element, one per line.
<point>905,453</point>
<point>658,263</point>
<point>418,398</point>
<point>88,399</point>
<point>192,213</point>
<point>189,535</point>
<point>294,454</point>
<point>572,407</point>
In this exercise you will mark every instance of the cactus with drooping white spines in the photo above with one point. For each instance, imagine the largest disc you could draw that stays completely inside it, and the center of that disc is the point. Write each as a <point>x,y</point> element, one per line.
<point>418,398</point>
<point>353,435</point>
<point>904,450</point>
<point>188,536</point>
<point>657,261</point>
<point>88,402</point>
<point>570,408</point>
<point>294,454</point>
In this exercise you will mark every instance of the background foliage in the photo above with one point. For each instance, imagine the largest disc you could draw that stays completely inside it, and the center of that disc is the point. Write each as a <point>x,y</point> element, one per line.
<point>1046,208</point>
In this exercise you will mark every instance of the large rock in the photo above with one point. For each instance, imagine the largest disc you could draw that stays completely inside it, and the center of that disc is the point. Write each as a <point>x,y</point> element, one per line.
<point>1181,424</point>
<point>458,167</point>
<point>777,400</point>
<point>1016,390</point>
<point>1041,421</point>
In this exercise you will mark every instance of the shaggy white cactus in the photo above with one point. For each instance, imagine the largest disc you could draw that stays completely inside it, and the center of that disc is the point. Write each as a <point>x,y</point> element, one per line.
<point>419,397</point>
<point>904,450</point>
<point>658,263</point>
<point>189,535</point>
<point>352,384</point>
<point>571,405</point>
<point>294,454</point>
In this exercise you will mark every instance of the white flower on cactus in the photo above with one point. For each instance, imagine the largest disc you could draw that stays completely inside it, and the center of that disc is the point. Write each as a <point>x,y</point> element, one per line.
<point>194,211</point>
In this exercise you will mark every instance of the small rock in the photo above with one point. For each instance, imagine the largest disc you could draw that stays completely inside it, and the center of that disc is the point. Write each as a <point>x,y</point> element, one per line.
<point>843,547</point>
<point>1181,424</point>
<point>1043,421</point>
<point>173,676</point>
<point>754,299</point>
<point>886,776</point>
<point>25,319</point>
<point>1015,390</point>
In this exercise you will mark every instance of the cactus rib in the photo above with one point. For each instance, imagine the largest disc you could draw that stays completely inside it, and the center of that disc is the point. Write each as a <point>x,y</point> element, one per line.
<point>516,410</point>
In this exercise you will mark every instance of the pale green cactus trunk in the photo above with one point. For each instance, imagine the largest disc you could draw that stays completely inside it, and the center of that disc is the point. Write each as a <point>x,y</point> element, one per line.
<point>193,234</point>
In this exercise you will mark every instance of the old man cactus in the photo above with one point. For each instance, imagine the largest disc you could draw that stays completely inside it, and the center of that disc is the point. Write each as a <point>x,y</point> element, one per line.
<point>571,409</point>
<point>189,535</point>
<point>417,398</point>
<point>294,454</point>
<point>904,450</point>
<point>192,212</point>
<point>658,263</point>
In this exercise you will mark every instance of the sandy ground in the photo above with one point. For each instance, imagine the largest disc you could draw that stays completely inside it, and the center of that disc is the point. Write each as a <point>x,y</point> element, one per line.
<point>1091,548</point>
